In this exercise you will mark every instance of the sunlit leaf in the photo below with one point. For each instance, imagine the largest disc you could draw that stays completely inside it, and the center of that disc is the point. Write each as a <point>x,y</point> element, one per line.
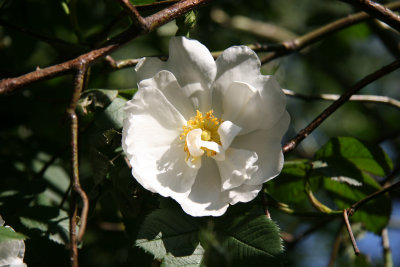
<point>250,238</point>
<point>172,235</point>
<point>366,157</point>
<point>6,233</point>
<point>50,221</point>
<point>348,163</point>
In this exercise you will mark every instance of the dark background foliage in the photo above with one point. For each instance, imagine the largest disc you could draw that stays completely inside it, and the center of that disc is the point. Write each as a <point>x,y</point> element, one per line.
<point>35,157</point>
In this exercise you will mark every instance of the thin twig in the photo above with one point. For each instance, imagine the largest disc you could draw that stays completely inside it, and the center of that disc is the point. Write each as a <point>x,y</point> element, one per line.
<point>121,64</point>
<point>376,194</point>
<point>358,98</point>
<point>378,11</point>
<point>289,146</point>
<point>151,23</point>
<point>336,246</point>
<point>301,42</point>
<point>316,203</point>
<point>133,13</point>
<point>351,235</point>
<point>258,28</point>
<point>387,252</point>
<point>75,183</point>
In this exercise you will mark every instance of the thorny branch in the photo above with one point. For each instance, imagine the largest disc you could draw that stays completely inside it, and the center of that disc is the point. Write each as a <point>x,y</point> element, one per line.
<point>378,11</point>
<point>148,24</point>
<point>289,146</point>
<point>137,19</point>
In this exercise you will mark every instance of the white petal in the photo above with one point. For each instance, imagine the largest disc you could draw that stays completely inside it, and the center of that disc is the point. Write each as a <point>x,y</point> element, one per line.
<point>237,63</point>
<point>212,146</point>
<point>273,101</point>
<point>192,65</point>
<point>150,139</point>
<point>267,145</point>
<point>193,142</point>
<point>227,132</point>
<point>206,198</point>
<point>166,82</point>
<point>148,67</point>
<point>194,162</point>
<point>241,64</point>
<point>244,193</point>
<point>238,166</point>
<point>243,106</point>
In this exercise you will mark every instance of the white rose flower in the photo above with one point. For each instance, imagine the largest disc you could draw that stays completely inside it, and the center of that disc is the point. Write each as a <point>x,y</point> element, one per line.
<point>206,133</point>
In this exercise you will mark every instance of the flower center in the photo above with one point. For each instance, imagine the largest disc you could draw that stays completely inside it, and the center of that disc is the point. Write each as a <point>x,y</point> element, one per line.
<point>209,125</point>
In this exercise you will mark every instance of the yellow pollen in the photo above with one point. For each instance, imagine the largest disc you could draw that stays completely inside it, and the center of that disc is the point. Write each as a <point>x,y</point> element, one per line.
<point>209,125</point>
<point>206,135</point>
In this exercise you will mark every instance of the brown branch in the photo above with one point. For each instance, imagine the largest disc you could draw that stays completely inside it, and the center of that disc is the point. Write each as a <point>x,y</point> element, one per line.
<point>121,64</point>
<point>151,23</point>
<point>289,146</point>
<point>137,19</point>
<point>358,98</point>
<point>75,183</point>
<point>351,235</point>
<point>358,204</point>
<point>301,42</point>
<point>378,11</point>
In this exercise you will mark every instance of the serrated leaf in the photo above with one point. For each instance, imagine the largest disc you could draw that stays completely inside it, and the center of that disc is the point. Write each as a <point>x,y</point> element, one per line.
<point>252,237</point>
<point>171,235</point>
<point>185,261</point>
<point>367,157</point>
<point>51,221</point>
<point>7,233</point>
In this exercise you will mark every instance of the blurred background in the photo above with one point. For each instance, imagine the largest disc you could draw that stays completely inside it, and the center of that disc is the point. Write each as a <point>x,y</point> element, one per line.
<point>34,129</point>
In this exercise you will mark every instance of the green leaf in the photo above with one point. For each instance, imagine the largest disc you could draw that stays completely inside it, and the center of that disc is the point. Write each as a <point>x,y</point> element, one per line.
<point>288,187</point>
<point>94,99</point>
<point>7,233</point>
<point>251,238</point>
<point>367,157</point>
<point>348,163</point>
<point>171,236</point>
<point>142,2</point>
<point>192,260</point>
<point>50,221</point>
<point>113,115</point>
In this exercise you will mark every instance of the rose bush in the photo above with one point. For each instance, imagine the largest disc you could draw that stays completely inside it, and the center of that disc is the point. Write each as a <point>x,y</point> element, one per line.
<point>206,133</point>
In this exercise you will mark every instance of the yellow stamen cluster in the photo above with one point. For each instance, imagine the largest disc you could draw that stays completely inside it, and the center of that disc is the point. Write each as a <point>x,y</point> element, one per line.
<point>208,124</point>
